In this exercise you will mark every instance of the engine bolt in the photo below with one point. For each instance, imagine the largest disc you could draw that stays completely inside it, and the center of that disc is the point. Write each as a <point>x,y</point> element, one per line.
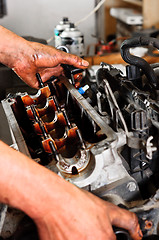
<point>131,186</point>
<point>148,224</point>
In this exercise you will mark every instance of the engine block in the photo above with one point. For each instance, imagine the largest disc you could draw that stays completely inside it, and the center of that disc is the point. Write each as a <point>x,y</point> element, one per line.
<point>104,140</point>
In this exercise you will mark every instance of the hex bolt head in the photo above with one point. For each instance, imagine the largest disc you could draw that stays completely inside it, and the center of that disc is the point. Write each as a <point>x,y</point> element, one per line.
<point>131,186</point>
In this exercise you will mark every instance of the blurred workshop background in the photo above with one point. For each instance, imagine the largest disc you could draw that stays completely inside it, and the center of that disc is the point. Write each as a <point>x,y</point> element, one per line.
<point>103,25</point>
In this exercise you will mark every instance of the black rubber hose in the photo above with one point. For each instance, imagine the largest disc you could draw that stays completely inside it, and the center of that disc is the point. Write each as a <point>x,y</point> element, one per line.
<point>100,75</point>
<point>137,61</point>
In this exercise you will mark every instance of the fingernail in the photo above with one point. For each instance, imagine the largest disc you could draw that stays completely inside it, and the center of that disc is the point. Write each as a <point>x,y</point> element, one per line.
<point>85,63</point>
<point>140,233</point>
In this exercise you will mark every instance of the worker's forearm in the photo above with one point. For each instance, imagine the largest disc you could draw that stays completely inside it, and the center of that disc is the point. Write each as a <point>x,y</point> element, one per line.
<point>11,47</point>
<point>58,208</point>
<point>24,183</point>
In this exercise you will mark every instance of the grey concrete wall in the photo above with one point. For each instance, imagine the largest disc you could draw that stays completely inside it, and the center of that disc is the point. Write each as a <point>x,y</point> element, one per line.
<point>38,17</point>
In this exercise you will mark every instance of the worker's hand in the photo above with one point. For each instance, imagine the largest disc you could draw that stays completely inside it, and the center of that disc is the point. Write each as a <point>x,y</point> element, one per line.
<point>45,60</point>
<point>60,210</point>
<point>28,58</point>
<point>84,216</point>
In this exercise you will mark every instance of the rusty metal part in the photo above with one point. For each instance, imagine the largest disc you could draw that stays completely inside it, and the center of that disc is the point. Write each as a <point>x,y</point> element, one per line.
<point>148,225</point>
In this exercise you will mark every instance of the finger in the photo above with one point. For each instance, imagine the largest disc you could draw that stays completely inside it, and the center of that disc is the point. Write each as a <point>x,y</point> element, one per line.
<point>109,231</point>
<point>54,57</point>
<point>46,74</point>
<point>27,77</point>
<point>127,220</point>
<point>71,59</point>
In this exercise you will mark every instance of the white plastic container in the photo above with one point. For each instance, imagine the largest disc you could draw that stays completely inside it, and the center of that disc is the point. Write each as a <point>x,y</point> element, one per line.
<point>73,39</point>
<point>65,23</point>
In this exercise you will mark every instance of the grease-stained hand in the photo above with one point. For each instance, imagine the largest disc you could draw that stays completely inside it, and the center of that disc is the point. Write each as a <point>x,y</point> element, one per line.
<point>44,59</point>
<point>28,58</point>
<point>86,217</point>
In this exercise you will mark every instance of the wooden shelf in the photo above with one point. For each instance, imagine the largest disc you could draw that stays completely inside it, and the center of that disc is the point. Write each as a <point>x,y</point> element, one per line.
<point>134,2</point>
<point>115,58</point>
<point>150,13</point>
<point>148,10</point>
